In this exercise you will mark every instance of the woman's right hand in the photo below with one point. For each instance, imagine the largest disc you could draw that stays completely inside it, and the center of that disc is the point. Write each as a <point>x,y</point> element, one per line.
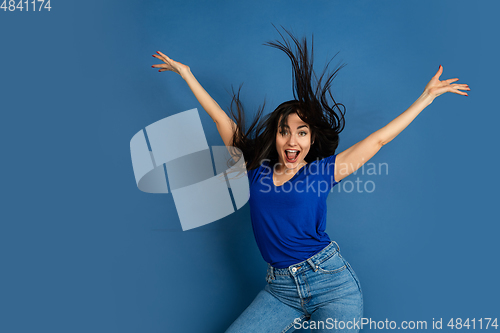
<point>225,125</point>
<point>170,65</point>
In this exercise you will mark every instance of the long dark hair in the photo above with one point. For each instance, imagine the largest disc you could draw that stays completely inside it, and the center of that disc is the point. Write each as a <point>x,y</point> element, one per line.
<point>313,103</point>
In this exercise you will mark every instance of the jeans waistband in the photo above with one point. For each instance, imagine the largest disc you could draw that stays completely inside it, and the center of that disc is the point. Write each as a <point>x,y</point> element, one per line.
<point>307,264</point>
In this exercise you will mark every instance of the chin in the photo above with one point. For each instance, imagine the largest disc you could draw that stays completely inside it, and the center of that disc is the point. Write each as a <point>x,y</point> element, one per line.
<point>291,165</point>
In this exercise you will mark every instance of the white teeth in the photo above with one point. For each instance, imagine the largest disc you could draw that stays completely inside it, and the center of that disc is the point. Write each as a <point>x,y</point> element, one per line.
<point>293,151</point>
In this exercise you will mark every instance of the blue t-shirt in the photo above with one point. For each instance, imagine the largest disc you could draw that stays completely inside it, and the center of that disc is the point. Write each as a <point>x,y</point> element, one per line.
<point>289,220</point>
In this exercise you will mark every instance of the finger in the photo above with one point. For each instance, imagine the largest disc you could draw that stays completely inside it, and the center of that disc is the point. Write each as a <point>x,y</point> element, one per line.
<point>461,86</point>
<point>163,55</point>
<point>456,91</point>
<point>451,80</point>
<point>160,57</point>
<point>160,66</point>
<point>439,72</point>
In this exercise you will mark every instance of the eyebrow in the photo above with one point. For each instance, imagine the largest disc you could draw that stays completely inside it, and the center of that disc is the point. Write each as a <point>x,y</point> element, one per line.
<point>297,127</point>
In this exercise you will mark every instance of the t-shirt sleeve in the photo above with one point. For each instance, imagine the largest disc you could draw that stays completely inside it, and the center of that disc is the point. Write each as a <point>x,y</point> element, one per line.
<point>327,167</point>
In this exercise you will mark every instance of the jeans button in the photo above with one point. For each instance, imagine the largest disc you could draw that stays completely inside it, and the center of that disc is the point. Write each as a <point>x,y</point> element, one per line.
<point>294,269</point>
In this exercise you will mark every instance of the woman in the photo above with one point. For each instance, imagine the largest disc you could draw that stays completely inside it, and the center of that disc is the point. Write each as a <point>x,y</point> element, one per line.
<point>292,167</point>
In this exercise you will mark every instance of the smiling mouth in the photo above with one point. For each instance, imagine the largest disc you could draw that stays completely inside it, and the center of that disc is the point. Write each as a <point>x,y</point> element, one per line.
<point>292,155</point>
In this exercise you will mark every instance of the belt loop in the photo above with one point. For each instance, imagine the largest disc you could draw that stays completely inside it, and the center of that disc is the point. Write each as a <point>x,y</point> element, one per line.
<point>313,265</point>
<point>338,247</point>
<point>272,272</point>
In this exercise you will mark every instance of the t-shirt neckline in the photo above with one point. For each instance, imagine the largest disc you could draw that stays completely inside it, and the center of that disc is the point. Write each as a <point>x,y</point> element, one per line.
<point>298,171</point>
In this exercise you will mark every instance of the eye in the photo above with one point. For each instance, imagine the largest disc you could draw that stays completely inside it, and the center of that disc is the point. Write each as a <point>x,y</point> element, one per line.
<point>305,133</point>
<point>284,132</point>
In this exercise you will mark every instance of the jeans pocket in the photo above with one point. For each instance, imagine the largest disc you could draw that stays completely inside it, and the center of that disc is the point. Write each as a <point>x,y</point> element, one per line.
<point>332,265</point>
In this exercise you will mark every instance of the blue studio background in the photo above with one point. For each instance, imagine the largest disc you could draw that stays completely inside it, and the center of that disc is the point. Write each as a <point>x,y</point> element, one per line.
<point>84,250</point>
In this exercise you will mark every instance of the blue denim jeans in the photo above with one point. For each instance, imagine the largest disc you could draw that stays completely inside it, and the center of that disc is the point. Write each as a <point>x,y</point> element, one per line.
<point>321,293</point>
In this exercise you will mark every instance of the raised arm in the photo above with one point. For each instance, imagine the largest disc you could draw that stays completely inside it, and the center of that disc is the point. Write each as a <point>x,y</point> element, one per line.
<point>225,125</point>
<point>355,156</point>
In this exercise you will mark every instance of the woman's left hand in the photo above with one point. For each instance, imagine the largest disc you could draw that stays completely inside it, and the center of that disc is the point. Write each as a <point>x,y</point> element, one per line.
<point>435,87</point>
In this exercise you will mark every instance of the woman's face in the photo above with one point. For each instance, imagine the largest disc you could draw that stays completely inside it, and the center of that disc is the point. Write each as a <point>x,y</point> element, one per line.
<point>296,137</point>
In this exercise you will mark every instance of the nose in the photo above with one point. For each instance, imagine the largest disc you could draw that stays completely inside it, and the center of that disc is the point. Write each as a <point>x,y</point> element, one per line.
<point>292,141</point>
